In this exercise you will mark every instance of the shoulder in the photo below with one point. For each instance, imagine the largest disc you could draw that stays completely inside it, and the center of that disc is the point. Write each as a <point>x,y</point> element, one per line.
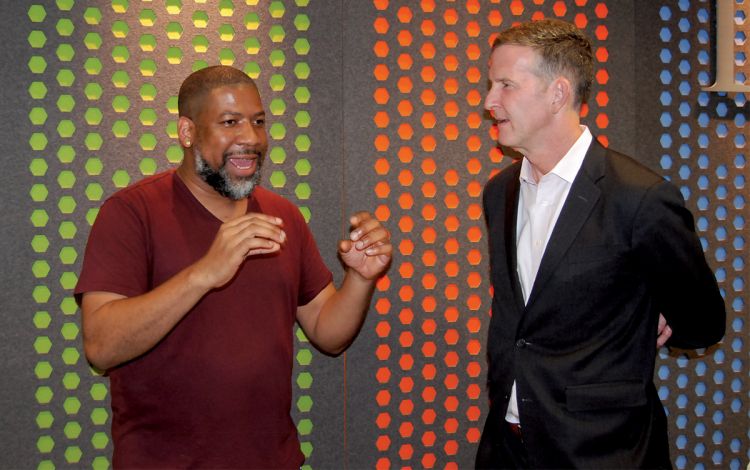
<point>618,169</point>
<point>149,198</point>
<point>626,181</point>
<point>151,188</point>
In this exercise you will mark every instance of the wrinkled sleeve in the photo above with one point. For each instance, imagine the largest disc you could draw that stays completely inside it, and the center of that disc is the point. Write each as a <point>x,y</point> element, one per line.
<point>671,255</point>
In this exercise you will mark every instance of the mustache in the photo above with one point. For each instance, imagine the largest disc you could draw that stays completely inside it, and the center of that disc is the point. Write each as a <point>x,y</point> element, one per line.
<point>243,152</point>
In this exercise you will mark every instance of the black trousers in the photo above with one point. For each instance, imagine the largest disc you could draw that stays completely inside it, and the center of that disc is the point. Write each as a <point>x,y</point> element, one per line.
<point>502,448</point>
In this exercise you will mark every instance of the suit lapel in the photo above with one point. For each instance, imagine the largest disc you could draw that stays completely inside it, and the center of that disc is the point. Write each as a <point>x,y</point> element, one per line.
<point>580,201</point>
<point>512,191</point>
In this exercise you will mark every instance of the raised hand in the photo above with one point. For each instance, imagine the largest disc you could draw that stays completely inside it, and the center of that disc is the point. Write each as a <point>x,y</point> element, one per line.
<point>248,235</point>
<point>368,250</point>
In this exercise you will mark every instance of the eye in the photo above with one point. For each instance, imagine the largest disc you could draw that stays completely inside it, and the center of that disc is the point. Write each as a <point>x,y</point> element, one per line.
<point>229,122</point>
<point>260,122</point>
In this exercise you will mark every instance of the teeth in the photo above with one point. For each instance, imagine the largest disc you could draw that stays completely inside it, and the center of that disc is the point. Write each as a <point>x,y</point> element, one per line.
<point>242,163</point>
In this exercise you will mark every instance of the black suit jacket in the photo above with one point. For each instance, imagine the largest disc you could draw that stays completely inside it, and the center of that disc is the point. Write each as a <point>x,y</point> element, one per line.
<point>582,350</point>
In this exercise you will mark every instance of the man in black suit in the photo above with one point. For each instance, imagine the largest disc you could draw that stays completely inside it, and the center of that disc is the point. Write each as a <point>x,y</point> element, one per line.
<point>587,249</point>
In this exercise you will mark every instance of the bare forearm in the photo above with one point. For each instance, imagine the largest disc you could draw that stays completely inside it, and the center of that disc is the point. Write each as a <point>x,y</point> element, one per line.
<point>343,313</point>
<point>117,329</point>
<point>125,328</point>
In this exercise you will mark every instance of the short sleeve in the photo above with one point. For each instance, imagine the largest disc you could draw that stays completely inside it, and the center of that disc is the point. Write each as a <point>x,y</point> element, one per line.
<point>314,275</point>
<point>117,253</point>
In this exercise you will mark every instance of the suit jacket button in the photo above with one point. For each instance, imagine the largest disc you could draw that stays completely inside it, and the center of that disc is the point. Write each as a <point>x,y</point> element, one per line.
<point>521,343</point>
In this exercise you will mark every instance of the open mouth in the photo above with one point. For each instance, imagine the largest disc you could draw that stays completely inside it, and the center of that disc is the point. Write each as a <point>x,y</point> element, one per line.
<point>244,163</point>
<point>243,166</point>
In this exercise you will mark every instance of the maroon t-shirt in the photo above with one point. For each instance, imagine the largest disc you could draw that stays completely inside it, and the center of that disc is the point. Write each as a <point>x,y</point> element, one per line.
<point>216,391</point>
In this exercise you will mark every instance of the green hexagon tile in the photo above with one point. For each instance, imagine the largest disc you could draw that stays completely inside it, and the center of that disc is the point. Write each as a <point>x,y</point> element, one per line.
<point>103,110</point>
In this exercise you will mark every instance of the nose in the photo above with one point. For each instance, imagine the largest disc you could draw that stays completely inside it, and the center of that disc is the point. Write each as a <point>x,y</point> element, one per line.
<point>491,101</point>
<point>249,134</point>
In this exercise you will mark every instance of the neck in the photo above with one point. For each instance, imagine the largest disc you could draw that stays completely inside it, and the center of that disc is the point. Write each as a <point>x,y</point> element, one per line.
<point>555,147</point>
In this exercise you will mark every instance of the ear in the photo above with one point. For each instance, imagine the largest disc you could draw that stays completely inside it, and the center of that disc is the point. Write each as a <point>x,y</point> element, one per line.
<point>186,131</point>
<point>562,94</point>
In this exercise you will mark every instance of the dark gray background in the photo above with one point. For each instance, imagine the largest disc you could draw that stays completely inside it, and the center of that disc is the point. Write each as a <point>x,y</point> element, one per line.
<point>342,132</point>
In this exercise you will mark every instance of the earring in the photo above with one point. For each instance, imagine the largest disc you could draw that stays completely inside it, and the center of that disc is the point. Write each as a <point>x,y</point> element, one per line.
<point>187,143</point>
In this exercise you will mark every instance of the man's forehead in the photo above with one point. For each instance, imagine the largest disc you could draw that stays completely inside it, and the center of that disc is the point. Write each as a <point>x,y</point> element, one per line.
<point>233,89</point>
<point>514,56</point>
<point>241,93</point>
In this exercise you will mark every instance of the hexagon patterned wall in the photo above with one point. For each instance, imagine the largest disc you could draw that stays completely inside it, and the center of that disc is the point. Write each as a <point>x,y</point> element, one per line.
<point>101,79</point>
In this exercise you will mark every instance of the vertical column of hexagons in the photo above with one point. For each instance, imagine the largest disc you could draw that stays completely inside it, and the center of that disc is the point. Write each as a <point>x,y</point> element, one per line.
<point>703,141</point>
<point>382,143</point>
<point>474,281</point>
<point>117,81</point>
<point>596,27</point>
<point>287,100</point>
<point>303,191</point>
<point>93,83</point>
<point>457,96</point>
<point>54,102</point>
<point>406,364</point>
<point>428,90</point>
<point>171,39</point>
<point>40,243</point>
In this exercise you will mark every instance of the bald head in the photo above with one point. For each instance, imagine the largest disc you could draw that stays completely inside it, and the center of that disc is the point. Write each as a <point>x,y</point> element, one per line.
<point>198,84</point>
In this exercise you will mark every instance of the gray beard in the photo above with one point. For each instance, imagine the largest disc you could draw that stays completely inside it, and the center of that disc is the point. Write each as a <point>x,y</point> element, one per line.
<point>222,181</point>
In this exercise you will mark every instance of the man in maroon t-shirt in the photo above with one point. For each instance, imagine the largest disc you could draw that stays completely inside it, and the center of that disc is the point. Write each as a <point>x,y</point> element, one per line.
<point>192,282</point>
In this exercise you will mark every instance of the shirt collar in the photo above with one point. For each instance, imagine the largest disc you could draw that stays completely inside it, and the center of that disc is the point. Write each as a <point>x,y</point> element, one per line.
<point>567,168</point>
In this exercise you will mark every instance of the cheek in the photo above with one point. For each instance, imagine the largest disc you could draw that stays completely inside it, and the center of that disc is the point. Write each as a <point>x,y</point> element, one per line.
<point>262,140</point>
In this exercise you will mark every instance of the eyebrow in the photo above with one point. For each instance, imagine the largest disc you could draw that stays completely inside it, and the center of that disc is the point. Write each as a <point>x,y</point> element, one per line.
<point>237,113</point>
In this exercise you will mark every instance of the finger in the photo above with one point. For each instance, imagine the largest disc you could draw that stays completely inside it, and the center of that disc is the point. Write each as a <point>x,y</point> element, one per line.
<point>247,222</point>
<point>258,228</point>
<point>664,336</point>
<point>378,237</point>
<point>256,246</point>
<point>257,216</point>
<point>262,251</point>
<point>361,224</point>
<point>345,246</point>
<point>359,217</point>
<point>379,248</point>
<point>367,227</point>
<point>385,260</point>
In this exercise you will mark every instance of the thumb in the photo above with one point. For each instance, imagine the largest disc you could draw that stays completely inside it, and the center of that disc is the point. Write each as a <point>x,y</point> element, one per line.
<point>345,246</point>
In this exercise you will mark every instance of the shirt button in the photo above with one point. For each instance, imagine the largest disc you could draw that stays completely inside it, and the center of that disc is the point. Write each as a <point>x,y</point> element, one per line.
<point>521,343</point>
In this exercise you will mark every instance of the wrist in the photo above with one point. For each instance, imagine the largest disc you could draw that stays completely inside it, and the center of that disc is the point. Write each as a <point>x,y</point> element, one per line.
<point>198,279</point>
<point>356,277</point>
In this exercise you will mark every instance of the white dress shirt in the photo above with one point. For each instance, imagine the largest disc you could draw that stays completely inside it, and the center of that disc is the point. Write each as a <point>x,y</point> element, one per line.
<point>539,206</point>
